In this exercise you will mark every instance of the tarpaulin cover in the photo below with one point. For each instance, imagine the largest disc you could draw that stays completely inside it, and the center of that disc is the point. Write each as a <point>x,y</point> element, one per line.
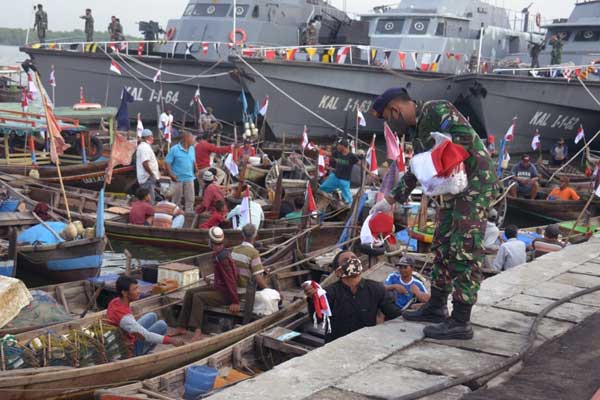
<point>40,234</point>
<point>13,297</point>
<point>43,310</point>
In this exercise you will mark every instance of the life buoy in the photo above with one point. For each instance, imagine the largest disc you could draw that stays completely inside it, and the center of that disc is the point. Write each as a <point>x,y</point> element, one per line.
<point>233,36</point>
<point>538,20</point>
<point>87,106</point>
<point>170,33</point>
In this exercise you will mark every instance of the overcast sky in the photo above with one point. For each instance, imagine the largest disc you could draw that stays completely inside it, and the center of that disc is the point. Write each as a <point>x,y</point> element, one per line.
<point>63,14</point>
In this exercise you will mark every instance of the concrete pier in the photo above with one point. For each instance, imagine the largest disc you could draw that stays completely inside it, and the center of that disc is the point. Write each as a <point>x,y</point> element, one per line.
<point>394,359</point>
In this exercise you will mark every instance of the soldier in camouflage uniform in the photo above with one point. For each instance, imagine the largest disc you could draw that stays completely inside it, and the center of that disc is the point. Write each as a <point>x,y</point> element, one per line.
<point>557,47</point>
<point>89,25</point>
<point>41,23</point>
<point>461,220</point>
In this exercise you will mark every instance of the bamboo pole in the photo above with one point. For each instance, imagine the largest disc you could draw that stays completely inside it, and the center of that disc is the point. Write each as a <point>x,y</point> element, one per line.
<point>52,144</point>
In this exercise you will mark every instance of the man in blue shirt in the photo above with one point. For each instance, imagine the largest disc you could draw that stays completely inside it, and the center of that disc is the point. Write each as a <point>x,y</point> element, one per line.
<point>181,167</point>
<point>407,288</point>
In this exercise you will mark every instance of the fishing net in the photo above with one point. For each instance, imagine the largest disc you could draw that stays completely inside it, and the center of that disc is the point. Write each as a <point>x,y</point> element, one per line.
<point>14,356</point>
<point>42,311</point>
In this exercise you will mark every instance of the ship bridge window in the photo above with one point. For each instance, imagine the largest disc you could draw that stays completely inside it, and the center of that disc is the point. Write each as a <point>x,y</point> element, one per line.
<point>419,26</point>
<point>389,26</point>
<point>441,29</point>
<point>240,10</point>
<point>564,35</point>
<point>207,10</point>
<point>255,12</point>
<point>587,36</point>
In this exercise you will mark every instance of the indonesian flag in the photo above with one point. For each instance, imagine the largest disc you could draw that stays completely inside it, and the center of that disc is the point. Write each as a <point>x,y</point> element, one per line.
<point>121,153</point>
<point>113,47</point>
<point>140,126</point>
<point>204,48</point>
<point>156,76</point>
<point>371,157</point>
<point>510,133</point>
<point>402,57</point>
<point>392,143</point>
<point>116,68</point>
<point>580,134</point>
<point>167,132</point>
<point>426,61</point>
<point>32,88</point>
<point>201,108</point>
<point>440,161</point>
<point>124,45</point>
<point>311,205</point>
<point>306,145</point>
<point>321,305</point>
<point>141,49</point>
<point>535,143</point>
<point>567,72</point>
<point>26,97</point>
<point>321,164</point>
<point>360,118</point>
<point>52,77</point>
<point>245,207</point>
<point>264,107</point>
<point>231,164</point>
<point>400,161</point>
<point>342,54</point>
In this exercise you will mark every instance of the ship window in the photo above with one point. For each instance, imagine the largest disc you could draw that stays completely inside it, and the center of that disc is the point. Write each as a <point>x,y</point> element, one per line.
<point>587,36</point>
<point>241,10</point>
<point>441,29</point>
<point>419,26</point>
<point>208,10</point>
<point>189,9</point>
<point>255,12</point>
<point>564,35</point>
<point>389,26</point>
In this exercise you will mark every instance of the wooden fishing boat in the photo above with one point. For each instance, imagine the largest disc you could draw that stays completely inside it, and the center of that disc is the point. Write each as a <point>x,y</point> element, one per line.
<point>574,175</point>
<point>557,210</point>
<point>53,382</point>
<point>256,174</point>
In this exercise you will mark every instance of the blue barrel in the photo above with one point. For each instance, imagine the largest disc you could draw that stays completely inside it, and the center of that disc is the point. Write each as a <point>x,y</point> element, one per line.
<point>9,205</point>
<point>199,380</point>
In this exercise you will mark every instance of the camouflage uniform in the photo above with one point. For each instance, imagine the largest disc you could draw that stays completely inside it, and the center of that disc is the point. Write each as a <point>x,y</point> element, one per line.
<point>461,221</point>
<point>41,24</point>
<point>89,27</point>
<point>556,55</point>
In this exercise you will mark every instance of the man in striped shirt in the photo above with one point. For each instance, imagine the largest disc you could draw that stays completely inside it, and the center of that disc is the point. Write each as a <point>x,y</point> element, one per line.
<point>247,259</point>
<point>168,214</point>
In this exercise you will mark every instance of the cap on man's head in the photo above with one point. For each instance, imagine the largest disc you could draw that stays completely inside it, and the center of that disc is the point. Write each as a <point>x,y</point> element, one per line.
<point>406,260</point>
<point>342,141</point>
<point>383,100</point>
<point>525,157</point>
<point>146,133</point>
<point>216,235</point>
<point>208,176</point>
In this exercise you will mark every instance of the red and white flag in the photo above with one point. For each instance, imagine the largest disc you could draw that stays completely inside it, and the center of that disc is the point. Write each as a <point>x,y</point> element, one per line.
<point>400,160</point>
<point>141,46</point>
<point>510,133</point>
<point>124,46</point>
<point>140,126</point>
<point>204,48</point>
<point>360,118</point>
<point>311,205</point>
<point>26,97</point>
<point>439,162</point>
<point>392,143</point>
<point>32,87</point>
<point>536,143</point>
<point>371,157</point>
<point>156,76</point>
<point>402,57</point>
<point>265,107</point>
<point>306,145</point>
<point>342,54</point>
<point>196,99</point>
<point>231,164</point>
<point>167,133</point>
<point>52,77</point>
<point>580,134</point>
<point>321,306</point>
<point>426,60</point>
<point>113,47</point>
<point>321,164</point>
<point>116,68</point>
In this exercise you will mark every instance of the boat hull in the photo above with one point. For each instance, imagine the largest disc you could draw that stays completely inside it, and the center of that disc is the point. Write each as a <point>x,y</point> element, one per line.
<point>554,210</point>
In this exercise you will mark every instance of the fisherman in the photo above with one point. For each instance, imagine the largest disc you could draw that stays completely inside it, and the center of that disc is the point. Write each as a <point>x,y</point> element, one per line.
<point>407,289</point>
<point>180,163</point>
<point>247,259</point>
<point>168,214</point>
<point>534,52</point>
<point>146,165</point>
<point>526,176</point>
<point>563,192</point>
<point>89,25</point>
<point>557,46</point>
<point>287,206</point>
<point>143,334</point>
<point>141,212</point>
<point>354,301</point>
<point>343,161</point>
<point>491,241</point>
<point>208,122</point>
<point>246,151</point>
<point>240,217</point>
<point>461,222</point>
<point>295,216</point>
<point>513,252</point>
<point>222,292</point>
<point>559,153</point>
<point>166,120</point>
<point>217,217</point>
<point>549,243</point>
<point>211,193</point>
<point>204,148</point>
<point>41,23</point>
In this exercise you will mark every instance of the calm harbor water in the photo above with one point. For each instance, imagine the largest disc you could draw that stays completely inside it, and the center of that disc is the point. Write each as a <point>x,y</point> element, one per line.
<point>10,55</point>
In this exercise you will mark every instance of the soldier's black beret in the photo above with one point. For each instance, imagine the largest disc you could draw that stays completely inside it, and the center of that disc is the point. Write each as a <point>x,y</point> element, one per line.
<point>382,101</point>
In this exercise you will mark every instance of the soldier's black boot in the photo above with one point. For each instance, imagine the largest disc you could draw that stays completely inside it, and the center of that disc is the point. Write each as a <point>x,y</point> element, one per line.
<point>458,326</point>
<point>435,310</point>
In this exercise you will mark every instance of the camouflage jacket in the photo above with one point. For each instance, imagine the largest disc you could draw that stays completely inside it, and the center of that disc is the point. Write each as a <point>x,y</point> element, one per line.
<point>89,23</point>
<point>442,116</point>
<point>41,20</point>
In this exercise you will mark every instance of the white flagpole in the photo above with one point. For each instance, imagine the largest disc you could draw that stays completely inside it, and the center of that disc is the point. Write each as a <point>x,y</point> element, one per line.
<point>234,23</point>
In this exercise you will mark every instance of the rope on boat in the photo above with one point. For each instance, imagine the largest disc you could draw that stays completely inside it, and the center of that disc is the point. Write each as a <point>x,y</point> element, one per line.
<point>493,371</point>
<point>498,200</point>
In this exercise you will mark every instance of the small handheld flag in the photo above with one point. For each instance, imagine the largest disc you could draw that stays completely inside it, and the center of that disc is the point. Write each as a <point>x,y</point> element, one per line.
<point>52,78</point>
<point>140,126</point>
<point>114,67</point>
<point>265,107</point>
<point>306,145</point>
<point>580,134</point>
<point>535,143</point>
<point>360,118</point>
<point>510,133</point>
<point>371,157</point>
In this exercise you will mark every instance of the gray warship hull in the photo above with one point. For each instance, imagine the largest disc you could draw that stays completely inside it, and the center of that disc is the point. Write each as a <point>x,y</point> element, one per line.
<point>334,92</point>
<point>92,72</point>
<point>555,107</point>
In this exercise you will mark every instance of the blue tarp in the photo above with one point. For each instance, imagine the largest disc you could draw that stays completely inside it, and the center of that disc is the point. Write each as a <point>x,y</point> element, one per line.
<point>40,234</point>
<point>403,238</point>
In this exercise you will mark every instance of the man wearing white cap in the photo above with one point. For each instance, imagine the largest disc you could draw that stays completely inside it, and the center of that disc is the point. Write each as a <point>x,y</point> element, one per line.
<point>211,193</point>
<point>146,164</point>
<point>224,290</point>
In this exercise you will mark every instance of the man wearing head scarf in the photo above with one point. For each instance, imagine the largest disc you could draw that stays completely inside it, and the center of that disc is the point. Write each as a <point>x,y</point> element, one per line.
<point>354,302</point>
<point>461,221</point>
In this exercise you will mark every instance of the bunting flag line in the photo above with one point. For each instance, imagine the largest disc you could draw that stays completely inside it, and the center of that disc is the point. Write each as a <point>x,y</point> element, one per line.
<point>580,134</point>
<point>114,67</point>
<point>360,118</point>
<point>52,77</point>
<point>156,76</point>
<point>373,55</point>
<point>265,107</point>
<point>402,57</point>
<point>311,51</point>
<point>124,46</point>
<point>188,48</point>
<point>415,56</point>
<point>426,60</point>
<point>435,65</point>
<point>217,49</point>
<point>510,133</point>
<point>536,143</point>
<point>567,74</point>
<point>290,54</point>
<point>342,54</point>
<point>140,49</point>
<point>270,54</point>
<point>204,48</point>
<point>248,52</point>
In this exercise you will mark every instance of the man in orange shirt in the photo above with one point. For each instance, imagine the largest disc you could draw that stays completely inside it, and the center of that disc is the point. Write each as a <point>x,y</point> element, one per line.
<point>563,192</point>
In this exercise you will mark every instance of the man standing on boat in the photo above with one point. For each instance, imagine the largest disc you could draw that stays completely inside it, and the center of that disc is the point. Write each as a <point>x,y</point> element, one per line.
<point>461,221</point>
<point>180,163</point>
<point>557,47</point>
<point>89,25</point>
<point>344,160</point>
<point>41,23</point>
<point>146,164</point>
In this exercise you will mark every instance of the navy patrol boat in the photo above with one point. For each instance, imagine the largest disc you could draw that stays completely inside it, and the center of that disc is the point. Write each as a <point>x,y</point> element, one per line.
<point>191,52</point>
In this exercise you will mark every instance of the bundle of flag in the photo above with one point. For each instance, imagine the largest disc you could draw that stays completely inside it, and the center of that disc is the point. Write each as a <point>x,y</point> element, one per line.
<point>342,54</point>
<point>535,142</point>
<point>371,157</point>
<point>321,305</point>
<point>580,134</point>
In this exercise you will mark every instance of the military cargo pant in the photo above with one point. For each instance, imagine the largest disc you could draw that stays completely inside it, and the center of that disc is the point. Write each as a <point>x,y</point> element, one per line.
<point>458,247</point>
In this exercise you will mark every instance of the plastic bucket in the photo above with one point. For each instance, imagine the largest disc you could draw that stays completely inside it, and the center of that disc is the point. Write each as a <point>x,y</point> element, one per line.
<point>199,380</point>
<point>9,205</point>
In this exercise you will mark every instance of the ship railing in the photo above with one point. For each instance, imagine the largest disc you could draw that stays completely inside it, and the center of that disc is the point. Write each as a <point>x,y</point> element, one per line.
<point>568,72</point>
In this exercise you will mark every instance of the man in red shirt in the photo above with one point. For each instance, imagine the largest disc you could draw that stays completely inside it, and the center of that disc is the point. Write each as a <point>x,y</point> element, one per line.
<point>210,194</point>
<point>204,148</point>
<point>145,333</point>
<point>223,291</point>
<point>246,151</point>
<point>141,212</point>
<point>217,217</point>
